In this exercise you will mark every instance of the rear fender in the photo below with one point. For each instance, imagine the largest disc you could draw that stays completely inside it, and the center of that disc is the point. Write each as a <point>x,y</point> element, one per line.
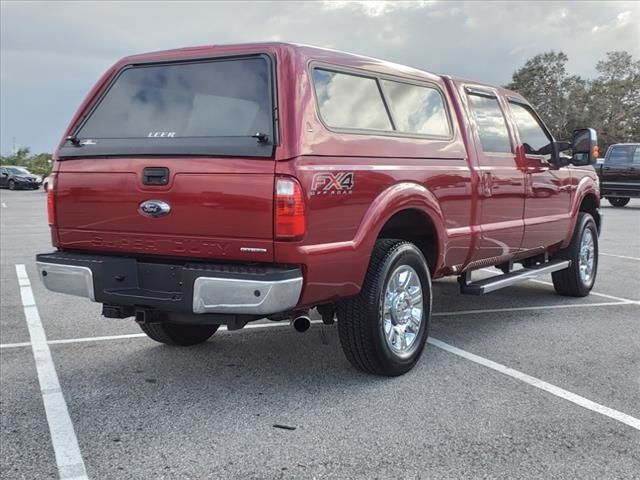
<point>399,197</point>
<point>351,258</point>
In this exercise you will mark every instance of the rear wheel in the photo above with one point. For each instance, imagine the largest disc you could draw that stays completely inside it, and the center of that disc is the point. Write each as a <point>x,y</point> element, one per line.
<point>384,329</point>
<point>578,279</point>
<point>178,334</point>
<point>618,201</point>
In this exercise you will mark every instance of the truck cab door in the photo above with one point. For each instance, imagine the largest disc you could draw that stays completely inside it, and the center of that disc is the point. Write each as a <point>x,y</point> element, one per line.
<point>501,187</point>
<point>547,216</point>
<point>621,170</point>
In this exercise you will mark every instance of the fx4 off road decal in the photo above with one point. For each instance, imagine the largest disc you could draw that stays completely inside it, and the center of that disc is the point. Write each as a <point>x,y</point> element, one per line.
<point>339,183</point>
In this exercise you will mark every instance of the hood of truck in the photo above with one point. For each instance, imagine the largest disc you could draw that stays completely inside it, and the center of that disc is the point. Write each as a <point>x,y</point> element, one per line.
<point>220,208</point>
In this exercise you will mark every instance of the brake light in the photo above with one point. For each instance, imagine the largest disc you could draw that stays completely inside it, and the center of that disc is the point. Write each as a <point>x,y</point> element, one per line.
<point>289,210</point>
<point>51,206</point>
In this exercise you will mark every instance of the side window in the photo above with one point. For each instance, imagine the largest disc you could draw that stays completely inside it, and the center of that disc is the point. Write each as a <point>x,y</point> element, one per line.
<point>619,155</point>
<point>636,156</point>
<point>492,127</point>
<point>534,139</point>
<point>416,109</point>
<point>350,101</point>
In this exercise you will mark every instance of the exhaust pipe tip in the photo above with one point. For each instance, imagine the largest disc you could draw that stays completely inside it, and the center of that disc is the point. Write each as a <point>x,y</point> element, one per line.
<point>301,323</point>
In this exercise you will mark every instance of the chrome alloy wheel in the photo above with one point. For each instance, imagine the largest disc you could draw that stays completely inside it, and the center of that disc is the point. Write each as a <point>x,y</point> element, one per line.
<point>586,257</point>
<point>403,310</point>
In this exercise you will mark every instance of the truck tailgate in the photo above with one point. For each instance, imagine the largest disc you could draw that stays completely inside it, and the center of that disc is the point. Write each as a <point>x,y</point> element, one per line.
<point>220,208</point>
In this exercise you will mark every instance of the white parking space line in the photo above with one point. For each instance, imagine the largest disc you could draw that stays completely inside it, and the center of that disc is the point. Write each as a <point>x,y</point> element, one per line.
<point>65,443</point>
<point>63,437</point>
<point>15,345</point>
<point>619,256</point>
<point>138,335</point>
<point>4,205</point>
<point>533,308</point>
<point>597,294</point>
<point>284,324</point>
<point>541,384</point>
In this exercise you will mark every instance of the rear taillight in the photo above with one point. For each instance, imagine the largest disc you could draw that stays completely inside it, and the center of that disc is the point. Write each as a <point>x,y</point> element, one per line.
<point>51,205</point>
<point>289,209</point>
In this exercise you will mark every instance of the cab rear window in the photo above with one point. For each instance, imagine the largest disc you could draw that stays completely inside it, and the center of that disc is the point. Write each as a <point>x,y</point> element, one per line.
<point>211,107</point>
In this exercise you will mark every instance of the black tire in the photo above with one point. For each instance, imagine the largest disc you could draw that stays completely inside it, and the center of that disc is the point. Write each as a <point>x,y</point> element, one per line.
<point>360,319</point>
<point>618,201</point>
<point>12,185</point>
<point>183,335</point>
<point>569,282</point>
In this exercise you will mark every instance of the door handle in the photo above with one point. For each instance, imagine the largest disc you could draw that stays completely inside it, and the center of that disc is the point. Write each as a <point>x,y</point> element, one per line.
<point>155,176</point>
<point>487,184</point>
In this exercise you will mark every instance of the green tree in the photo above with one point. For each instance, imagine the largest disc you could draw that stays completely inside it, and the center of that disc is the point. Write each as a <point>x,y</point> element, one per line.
<point>39,164</point>
<point>615,99</point>
<point>21,157</point>
<point>610,103</point>
<point>544,81</point>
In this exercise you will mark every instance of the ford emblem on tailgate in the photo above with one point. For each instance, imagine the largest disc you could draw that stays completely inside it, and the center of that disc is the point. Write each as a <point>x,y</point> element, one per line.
<point>154,208</point>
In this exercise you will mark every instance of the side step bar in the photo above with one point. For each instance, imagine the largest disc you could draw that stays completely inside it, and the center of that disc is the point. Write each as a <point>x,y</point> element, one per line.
<point>497,282</point>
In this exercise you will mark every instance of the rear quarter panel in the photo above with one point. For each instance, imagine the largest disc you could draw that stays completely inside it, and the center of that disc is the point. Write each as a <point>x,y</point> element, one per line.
<point>390,174</point>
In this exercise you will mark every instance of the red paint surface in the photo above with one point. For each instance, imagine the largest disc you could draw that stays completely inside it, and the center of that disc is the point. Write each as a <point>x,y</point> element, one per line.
<point>220,205</point>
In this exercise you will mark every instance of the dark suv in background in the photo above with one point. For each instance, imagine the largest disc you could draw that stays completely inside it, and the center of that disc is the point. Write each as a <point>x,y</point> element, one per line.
<point>15,178</point>
<point>620,173</point>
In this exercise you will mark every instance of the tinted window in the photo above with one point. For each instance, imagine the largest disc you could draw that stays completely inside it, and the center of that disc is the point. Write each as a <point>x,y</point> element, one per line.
<point>534,140</point>
<point>18,171</point>
<point>636,156</point>
<point>209,99</point>
<point>416,109</point>
<point>620,155</point>
<point>350,101</point>
<point>492,128</point>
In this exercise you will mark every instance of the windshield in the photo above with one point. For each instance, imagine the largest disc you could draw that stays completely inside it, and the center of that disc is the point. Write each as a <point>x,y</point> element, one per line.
<point>18,171</point>
<point>206,107</point>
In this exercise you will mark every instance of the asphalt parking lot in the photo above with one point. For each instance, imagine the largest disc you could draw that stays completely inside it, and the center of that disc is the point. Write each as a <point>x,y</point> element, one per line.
<point>518,384</point>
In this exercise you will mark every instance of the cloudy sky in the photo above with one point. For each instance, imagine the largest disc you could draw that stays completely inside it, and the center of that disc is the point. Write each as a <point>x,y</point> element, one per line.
<point>53,52</point>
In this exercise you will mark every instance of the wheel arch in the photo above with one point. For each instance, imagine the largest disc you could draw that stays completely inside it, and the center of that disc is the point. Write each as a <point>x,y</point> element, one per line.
<point>586,199</point>
<point>407,211</point>
<point>591,204</point>
<point>415,226</point>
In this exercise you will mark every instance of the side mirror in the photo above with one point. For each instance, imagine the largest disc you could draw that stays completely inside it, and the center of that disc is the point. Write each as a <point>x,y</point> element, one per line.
<point>5,174</point>
<point>585,147</point>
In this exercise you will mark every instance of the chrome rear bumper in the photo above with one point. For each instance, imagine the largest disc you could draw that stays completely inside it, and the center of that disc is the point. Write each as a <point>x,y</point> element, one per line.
<point>71,279</point>
<point>220,295</point>
<point>191,288</point>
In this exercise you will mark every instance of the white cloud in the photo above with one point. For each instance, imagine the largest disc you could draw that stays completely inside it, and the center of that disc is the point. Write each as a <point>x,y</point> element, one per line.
<point>377,8</point>
<point>621,20</point>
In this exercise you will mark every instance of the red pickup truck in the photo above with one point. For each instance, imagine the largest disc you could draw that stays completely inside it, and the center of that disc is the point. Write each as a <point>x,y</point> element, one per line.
<point>219,185</point>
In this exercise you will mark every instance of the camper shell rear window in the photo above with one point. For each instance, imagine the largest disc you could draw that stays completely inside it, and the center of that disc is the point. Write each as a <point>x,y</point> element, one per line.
<point>221,106</point>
